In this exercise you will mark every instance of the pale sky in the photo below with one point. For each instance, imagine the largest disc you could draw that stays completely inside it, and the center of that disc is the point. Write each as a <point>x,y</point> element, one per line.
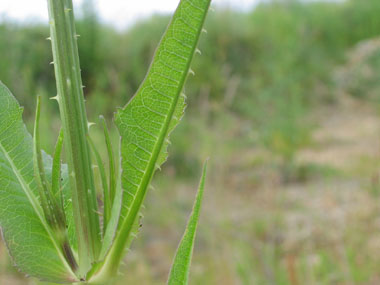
<point>119,13</point>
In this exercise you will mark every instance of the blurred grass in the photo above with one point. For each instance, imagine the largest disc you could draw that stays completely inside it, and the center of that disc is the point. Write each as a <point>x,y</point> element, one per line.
<point>285,102</point>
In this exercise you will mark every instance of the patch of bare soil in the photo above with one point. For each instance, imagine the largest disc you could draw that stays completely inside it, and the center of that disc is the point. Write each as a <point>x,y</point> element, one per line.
<point>348,131</point>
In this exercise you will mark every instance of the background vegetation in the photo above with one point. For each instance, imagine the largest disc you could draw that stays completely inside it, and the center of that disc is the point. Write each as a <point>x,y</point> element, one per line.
<point>285,101</point>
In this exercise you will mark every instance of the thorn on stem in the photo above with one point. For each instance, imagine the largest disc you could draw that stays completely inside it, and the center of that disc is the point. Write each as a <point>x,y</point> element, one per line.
<point>55,98</point>
<point>90,124</point>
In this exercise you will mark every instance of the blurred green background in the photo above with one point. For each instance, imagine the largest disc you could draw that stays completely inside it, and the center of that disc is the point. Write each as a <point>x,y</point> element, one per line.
<point>285,101</point>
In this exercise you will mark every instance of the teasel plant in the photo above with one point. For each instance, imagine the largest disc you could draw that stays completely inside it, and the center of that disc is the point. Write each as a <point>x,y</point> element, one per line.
<point>50,219</point>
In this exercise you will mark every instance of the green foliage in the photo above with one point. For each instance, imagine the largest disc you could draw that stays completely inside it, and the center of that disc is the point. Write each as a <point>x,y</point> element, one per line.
<point>30,239</point>
<point>89,254</point>
<point>148,119</point>
<point>261,75</point>
<point>179,274</point>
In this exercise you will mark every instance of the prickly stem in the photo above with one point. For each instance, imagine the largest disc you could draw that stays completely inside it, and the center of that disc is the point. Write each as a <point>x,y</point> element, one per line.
<point>75,129</point>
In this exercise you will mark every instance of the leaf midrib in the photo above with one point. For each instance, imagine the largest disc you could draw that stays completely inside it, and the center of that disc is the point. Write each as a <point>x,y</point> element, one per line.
<point>33,201</point>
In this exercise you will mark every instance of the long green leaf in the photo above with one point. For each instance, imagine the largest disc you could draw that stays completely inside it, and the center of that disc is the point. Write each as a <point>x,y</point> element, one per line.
<point>147,120</point>
<point>179,274</point>
<point>145,123</point>
<point>28,237</point>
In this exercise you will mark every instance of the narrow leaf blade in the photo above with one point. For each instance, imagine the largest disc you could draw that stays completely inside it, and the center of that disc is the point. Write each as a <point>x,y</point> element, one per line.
<point>103,178</point>
<point>179,273</point>
<point>39,170</point>
<point>111,159</point>
<point>111,229</point>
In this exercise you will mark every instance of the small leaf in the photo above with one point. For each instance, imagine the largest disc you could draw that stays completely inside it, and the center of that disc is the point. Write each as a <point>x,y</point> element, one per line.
<point>66,196</point>
<point>109,235</point>
<point>179,273</point>
<point>103,178</point>
<point>111,159</point>
<point>110,231</point>
<point>39,170</point>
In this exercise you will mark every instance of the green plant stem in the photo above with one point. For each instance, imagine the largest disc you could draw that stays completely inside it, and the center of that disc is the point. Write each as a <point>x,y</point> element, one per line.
<point>75,127</point>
